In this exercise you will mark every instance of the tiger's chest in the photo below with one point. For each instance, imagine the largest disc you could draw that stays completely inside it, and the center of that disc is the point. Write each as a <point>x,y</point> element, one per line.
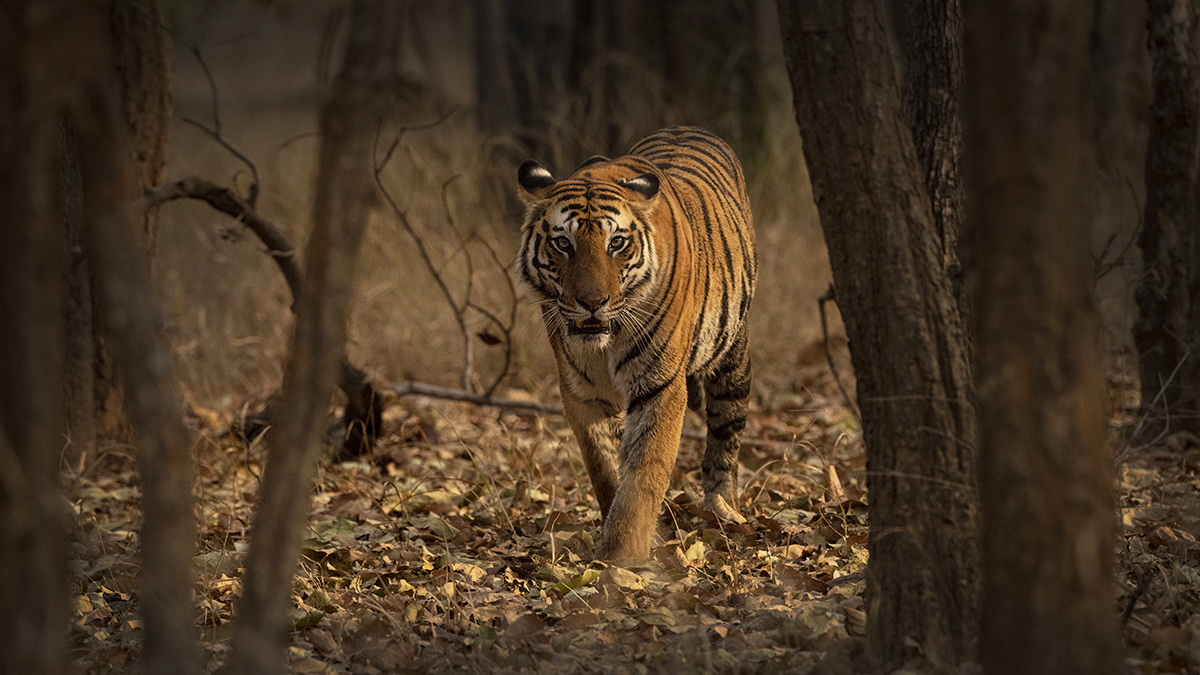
<point>597,374</point>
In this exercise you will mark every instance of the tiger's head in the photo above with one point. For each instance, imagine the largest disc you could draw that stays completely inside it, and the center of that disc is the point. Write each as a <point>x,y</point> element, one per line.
<point>588,249</point>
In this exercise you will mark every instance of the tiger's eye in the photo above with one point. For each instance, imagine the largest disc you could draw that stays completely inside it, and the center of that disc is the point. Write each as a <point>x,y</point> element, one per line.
<point>562,243</point>
<point>618,244</point>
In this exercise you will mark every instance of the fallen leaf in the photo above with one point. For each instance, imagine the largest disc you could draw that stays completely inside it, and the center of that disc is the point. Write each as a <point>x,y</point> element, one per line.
<point>622,578</point>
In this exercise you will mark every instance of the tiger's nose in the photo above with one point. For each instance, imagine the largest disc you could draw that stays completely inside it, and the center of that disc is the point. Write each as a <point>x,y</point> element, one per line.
<point>593,304</point>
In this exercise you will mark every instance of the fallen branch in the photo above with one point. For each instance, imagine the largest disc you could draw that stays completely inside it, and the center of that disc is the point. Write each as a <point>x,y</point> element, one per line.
<point>446,393</point>
<point>409,388</point>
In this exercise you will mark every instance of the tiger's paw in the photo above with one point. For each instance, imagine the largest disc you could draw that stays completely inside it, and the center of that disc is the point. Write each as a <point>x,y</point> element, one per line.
<point>718,505</point>
<point>610,551</point>
<point>616,545</point>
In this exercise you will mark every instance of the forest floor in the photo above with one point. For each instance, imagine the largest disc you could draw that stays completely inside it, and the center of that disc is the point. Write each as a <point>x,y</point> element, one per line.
<point>463,544</point>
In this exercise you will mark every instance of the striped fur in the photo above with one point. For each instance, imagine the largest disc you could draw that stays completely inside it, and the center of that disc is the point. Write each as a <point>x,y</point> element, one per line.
<point>645,267</point>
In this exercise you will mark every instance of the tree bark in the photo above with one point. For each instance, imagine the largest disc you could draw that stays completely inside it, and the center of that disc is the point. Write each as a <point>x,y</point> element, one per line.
<point>349,123</point>
<point>33,571</point>
<point>133,321</point>
<point>907,339</point>
<point>108,181</point>
<point>141,56</point>
<point>1045,469</point>
<point>1167,331</point>
<point>932,107</point>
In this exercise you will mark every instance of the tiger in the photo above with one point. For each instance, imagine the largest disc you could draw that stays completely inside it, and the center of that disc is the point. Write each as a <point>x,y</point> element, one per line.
<point>645,267</point>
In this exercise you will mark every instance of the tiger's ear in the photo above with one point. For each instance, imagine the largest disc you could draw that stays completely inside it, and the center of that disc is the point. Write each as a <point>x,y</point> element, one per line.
<point>534,179</point>
<point>645,185</point>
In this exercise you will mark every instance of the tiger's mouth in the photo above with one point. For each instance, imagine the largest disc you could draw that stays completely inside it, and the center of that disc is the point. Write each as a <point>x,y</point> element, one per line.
<point>592,326</point>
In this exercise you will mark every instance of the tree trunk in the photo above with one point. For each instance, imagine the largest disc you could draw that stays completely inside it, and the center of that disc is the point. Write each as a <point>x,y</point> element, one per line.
<point>141,56</point>
<point>133,323</point>
<point>1121,95</point>
<point>521,52</point>
<point>907,340</point>
<point>349,123</point>
<point>1167,332</point>
<point>33,571</point>
<point>932,102</point>
<point>1045,469</point>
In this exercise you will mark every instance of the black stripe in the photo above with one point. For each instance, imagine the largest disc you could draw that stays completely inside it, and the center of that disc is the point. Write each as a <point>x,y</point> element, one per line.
<point>574,366</point>
<point>736,393</point>
<point>724,432</point>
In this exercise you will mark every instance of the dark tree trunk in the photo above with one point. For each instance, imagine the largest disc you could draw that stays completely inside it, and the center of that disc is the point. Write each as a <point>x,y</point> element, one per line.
<point>907,340</point>
<point>133,324</point>
<point>1045,470</point>
<point>349,123</point>
<point>74,70</point>
<point>141,57</point>
<point>80,364</point>
<point>572,79</point>
<point>1167,332</point>
<point>33,571</point>
<point>932,102</point>
<point>1121,95</point>
<point>522,48</point>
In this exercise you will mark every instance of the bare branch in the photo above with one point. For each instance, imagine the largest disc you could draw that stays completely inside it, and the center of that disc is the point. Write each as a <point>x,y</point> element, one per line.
<point>215,134</point>
<point>829,295</point>
<point>512,315</point>
<point>402,217</point>
<point>468,367</point>
<point>226,201</point>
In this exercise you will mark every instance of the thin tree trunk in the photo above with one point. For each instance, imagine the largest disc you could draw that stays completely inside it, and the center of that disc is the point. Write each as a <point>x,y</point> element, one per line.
<point>1166,331</point>
<point>134,324</point>
<point>1045,469</point>
<point>33,571</point>
<point>1121,95</point>
<point>133,321</point>
<point>349,123</point>
<point>79,331</point>
<point>907,341</point>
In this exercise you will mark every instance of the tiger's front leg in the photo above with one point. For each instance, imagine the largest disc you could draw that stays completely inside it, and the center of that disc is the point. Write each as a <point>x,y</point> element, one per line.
<point>653,423</point>
<point>597,425</point>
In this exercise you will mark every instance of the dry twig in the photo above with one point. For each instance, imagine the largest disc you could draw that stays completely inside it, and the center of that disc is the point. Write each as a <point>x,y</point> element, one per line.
<point>829,295</point>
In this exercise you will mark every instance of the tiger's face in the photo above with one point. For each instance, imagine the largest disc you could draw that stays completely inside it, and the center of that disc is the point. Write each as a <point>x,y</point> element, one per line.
<point>588,249</point>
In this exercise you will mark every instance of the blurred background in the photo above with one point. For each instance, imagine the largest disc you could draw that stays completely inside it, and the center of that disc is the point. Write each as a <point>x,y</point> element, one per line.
<point>485,85</point>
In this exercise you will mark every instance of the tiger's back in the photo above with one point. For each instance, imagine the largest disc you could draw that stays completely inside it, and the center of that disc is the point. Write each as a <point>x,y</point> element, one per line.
<point>645,267</point>
<point>708,180</point>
